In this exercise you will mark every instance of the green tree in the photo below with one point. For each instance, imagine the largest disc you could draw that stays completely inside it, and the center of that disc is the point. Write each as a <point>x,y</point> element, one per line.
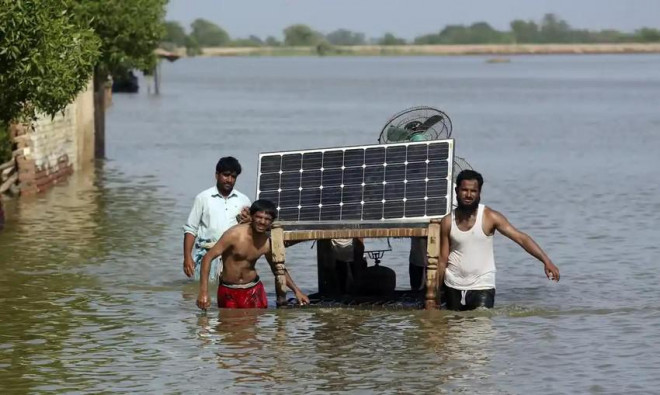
<point>427,39</point>
<point>551,29</point>
<point>346,37</point>
<point>324,48</point>
<point>273,42</point>
<point>524,32</point>
<point>477,33</point>
<point>45,58</point>
<point>174,34</point>
<point>483,33</point>
<point>301,35</point>
<point>252,41</point>
<point>554,29</point>
<point>391,39</point>
<point>192,46</point>
<point>5,144</point>
<point>647,35</point>
<point>256,39</point>
<point>610,36</point>
<point>454,34</point>
<point>130,31</point>
<point>208,34</point>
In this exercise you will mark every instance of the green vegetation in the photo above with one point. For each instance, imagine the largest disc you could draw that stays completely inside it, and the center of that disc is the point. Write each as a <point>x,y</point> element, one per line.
<point>130,31</point>
<point>477,33</point>
<point>346,37</point>
<point>252,41</point>
<point>391,39</point>
<point>49,50</point>
<point>646,35</point>
<point>5,143</point>
<point>192,46</point>
<point>208,34</point>
<point>174,34</point>
<point>272,42</point>
<point>549,30</point>
<point>46,58</point>
<point>301,35</point>
<point>204,33</point>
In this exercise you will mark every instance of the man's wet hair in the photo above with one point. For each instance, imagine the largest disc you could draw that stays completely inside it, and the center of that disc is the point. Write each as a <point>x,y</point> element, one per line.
<point>469,175</point>
<point>264,205</point>
<point>228,163</point>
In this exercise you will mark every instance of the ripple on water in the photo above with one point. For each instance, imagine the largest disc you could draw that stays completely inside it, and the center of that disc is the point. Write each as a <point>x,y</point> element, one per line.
<point>91,300</point>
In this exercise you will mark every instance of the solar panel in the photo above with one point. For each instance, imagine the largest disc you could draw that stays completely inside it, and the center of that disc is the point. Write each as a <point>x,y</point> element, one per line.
<point>382,185</point>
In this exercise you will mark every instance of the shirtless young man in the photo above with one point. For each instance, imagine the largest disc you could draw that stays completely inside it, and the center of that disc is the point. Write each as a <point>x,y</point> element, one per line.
<point>467,263</point>
<point>240,247</point>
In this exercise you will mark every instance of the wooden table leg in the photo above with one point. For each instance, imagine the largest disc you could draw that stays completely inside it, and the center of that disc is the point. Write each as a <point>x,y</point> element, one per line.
<point>279,257</point>
<point>433,254</point>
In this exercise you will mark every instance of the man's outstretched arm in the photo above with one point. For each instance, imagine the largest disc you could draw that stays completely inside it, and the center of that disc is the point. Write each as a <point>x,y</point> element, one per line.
<point>526,242</point>
<point>203,300</point>
<point>302,298</point>
<point>445,227</point>
<point>300,295</point>
<point>188,263</point>
<point>190,233</point>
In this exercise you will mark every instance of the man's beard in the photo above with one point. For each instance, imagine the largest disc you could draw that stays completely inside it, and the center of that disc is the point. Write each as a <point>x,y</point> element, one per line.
<point>468,208</point>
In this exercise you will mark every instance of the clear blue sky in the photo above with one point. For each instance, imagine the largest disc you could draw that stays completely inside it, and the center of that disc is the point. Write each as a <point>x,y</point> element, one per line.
<point>407,18</point>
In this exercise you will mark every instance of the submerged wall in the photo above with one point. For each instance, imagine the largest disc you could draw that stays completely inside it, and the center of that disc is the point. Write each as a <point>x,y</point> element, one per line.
<point>52,148</point>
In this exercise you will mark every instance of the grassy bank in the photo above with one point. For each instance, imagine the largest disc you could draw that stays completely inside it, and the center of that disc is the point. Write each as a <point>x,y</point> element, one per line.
<point>435,50</point>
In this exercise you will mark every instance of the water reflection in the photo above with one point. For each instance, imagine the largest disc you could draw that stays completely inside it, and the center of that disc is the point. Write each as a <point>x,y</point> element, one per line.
<point>40,253</point>
<point>54,304</point>
<point>332,350</point>
<point>93,298</point>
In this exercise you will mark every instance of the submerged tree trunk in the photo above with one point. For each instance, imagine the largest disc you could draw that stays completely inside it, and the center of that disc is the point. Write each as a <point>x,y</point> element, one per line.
<point>99,113</point>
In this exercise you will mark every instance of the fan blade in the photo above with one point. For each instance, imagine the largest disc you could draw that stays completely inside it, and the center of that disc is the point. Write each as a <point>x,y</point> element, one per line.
<point>430,122</point>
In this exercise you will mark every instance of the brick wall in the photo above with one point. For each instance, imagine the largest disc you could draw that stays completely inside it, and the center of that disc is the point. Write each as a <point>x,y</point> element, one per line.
<point>52,148</point>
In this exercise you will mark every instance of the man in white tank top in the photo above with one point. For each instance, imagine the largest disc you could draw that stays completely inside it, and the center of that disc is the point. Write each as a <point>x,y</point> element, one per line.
<point>467,263</point>
<point>349,263</point>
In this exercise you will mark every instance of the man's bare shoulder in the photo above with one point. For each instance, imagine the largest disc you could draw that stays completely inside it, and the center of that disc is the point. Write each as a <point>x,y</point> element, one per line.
<point>493,215</point>
<point>446,221</point>
<point>236,231</point>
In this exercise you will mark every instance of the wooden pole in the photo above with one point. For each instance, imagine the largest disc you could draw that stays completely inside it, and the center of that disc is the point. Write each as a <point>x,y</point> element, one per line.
<point>279,257</point>
<point>99,113</point>
<point>433,254</point>
<point>157,78</point>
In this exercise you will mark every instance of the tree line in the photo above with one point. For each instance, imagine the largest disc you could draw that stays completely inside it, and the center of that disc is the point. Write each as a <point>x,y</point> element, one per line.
<point>551,29</point>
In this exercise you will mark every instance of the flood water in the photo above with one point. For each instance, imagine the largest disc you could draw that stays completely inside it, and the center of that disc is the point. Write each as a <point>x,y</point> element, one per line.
<point>93,298</point>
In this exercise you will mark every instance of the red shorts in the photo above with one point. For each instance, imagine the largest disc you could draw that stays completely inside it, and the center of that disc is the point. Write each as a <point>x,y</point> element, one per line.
<point>253,297</point>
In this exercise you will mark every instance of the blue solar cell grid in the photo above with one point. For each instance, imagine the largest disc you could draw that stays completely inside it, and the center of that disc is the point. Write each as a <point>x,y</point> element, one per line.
<point>377,183</point>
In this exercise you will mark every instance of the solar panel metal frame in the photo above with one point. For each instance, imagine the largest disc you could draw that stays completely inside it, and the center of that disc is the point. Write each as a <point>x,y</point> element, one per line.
<point>403,222</point>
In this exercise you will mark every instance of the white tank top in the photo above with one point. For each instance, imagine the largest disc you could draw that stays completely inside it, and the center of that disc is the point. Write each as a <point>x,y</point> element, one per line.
<point>343,249</point>
<point>471,263</point>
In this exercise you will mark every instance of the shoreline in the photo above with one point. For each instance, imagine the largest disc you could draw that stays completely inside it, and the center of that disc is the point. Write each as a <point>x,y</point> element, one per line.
<point>435,50</point>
